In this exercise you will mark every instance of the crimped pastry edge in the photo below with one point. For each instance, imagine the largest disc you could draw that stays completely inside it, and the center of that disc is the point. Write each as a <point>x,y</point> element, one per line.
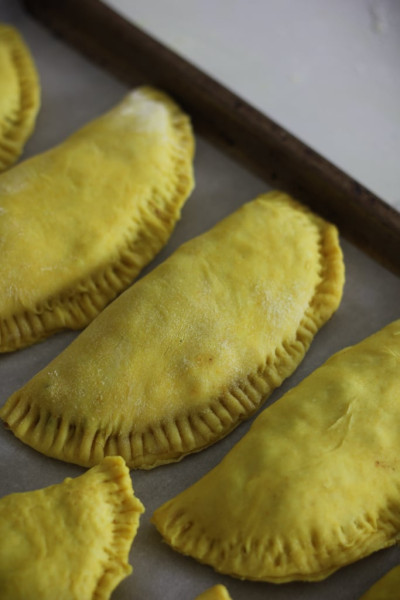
<point>74,309</point>
<point>237,558</point>
<point>169,442</point>
<point>127,510</point>
<point>21,126</point>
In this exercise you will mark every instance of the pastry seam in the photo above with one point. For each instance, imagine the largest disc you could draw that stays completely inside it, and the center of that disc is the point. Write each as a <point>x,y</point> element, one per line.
<point>20,125</point>
<point>191,432</point>
<point>126,511</point>
<point>299,545</point>
<point>278,551</point>
<point>75,309</point>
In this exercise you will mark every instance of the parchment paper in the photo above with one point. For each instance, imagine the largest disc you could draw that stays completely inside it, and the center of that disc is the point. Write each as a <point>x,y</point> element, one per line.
<point>74,91</point>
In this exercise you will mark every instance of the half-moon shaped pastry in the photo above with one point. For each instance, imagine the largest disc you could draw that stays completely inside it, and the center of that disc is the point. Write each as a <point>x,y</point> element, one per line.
<point>315,483</point>
<point>70,540</point>
<point>191,349</point>
<point>386,588</point>
<point>217,592</point>
<point>80,221</point>
<point>19,97</point>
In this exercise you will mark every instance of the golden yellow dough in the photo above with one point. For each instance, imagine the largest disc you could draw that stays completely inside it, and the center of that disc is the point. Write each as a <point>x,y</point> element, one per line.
<point>217,592</point>
<point>315,483</point>
<point>70,541</point>
<point>19,96</point>
<point>80,221</point>
<point>192,348</point>
<point>387,588</point>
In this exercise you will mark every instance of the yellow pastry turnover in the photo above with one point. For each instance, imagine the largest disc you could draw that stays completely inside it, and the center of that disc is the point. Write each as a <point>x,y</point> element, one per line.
<point>191,349</point>
<point>315,483</point>
<point>387,588</point>
<point>217,592</point>
<point>80,221</point>
<point>69,541</point>
<point>19,97</point>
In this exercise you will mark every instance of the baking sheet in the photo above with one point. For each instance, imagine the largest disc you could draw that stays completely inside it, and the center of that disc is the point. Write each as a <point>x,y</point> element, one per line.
<point>74,91</point>
<point>236,127</point>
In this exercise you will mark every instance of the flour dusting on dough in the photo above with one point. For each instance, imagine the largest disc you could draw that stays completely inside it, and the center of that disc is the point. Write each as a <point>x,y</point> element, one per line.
<point>148,115</point>
<point>13,183</point>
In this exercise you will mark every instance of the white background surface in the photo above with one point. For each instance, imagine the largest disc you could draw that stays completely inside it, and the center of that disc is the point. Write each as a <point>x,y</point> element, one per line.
<point>73,91</point>
<point>326,70</point>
